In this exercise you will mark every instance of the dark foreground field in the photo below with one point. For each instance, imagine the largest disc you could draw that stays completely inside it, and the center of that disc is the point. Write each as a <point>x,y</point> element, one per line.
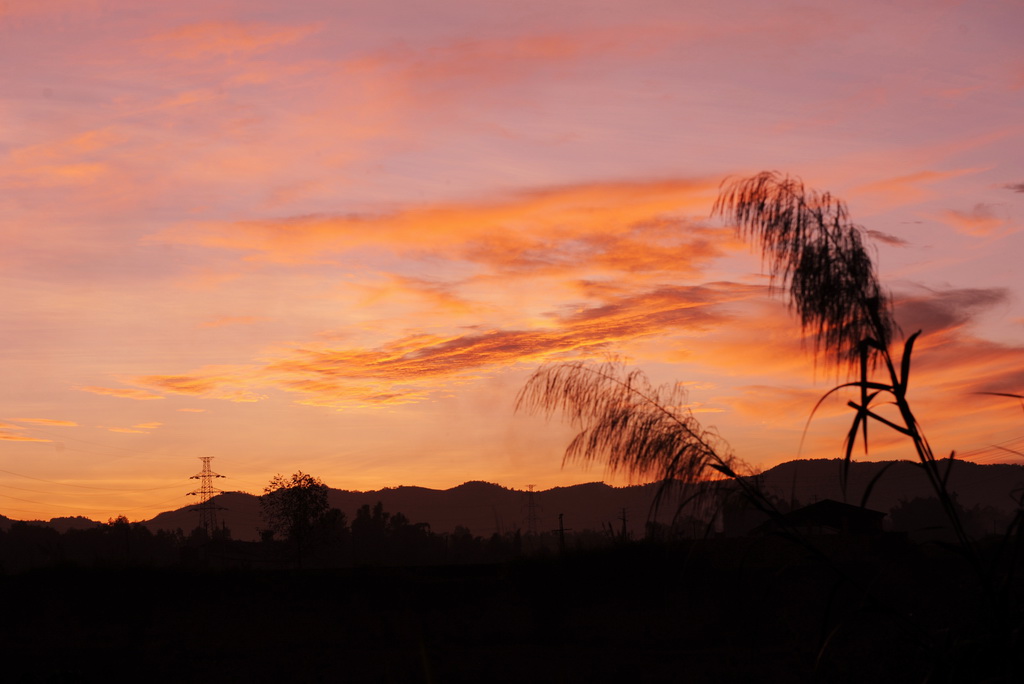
<point>740,610</point>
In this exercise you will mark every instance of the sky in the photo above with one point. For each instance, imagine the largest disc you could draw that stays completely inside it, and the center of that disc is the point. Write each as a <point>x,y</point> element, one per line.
<point>338,237</point>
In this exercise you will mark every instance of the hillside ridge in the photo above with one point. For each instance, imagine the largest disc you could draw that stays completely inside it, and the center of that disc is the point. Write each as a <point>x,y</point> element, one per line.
<point>485,508</point>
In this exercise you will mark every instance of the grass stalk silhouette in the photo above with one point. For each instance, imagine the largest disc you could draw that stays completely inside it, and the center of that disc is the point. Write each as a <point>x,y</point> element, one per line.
<point>632,426</point>
<point>818,257</point>
<point>810,244</point>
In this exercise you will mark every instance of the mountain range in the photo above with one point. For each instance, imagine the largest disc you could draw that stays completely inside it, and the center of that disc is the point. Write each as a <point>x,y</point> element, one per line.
<point>486,508</point>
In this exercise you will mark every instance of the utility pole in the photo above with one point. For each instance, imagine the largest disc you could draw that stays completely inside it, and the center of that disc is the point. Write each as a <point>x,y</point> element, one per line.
<point>562,529</point>
<point>532,519</point>
<point>625,535</point>
<point>206,508</point>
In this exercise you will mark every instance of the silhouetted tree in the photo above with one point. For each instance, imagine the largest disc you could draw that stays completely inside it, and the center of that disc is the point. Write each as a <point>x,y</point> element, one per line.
<point>292,507</point>
<point>120,530</point>
<point>923,518</point>
<point>463,547</point>
<point>369,534</point>
<point>26,546</point>
<point>382,538</point>
<point>329,540</point>
<point>198,537</point>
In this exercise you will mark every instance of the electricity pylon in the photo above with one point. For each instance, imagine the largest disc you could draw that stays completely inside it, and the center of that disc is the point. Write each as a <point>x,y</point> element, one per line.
<point>206,492</point>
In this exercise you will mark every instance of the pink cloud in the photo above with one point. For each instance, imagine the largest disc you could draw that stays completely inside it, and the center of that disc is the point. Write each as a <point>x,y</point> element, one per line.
<point>15,8</point>
<point>943,311</point>
<point>888,239</point>
<point>81,159</point>
<point>979,221</point>
<point>461,67</point>
<point>123,393</point>
<point>222,321</point>
<point>910,188</point>
<point>216,39</point>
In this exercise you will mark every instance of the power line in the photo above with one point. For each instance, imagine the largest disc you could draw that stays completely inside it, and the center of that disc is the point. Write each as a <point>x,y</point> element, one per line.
<point>26,489</point>
<point>60,439</point>
<point>103,489</point>
<point>79,507</point>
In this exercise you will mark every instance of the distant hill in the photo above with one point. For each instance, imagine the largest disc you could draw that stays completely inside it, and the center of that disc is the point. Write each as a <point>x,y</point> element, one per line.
<point>486,508</point>
<point>62,525</point>
<point>481,507</point>
<point>975,485</point>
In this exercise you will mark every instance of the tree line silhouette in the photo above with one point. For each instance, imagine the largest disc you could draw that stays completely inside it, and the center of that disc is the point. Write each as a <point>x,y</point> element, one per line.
<point>300,530</point>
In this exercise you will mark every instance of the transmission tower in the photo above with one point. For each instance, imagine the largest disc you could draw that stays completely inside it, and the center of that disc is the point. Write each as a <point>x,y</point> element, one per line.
<point>207,509</point>
<point>532,519</point>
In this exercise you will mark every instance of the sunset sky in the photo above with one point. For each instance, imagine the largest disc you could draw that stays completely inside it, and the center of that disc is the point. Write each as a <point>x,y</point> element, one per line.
<point>337,236</point>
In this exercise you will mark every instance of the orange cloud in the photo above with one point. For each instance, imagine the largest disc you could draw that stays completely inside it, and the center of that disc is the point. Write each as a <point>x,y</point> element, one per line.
<point>526,222</point>
<point>585,330</point>
<point>147,426</point>
<point>7,436</point>
<point>183,384</point>
<point>660,247</point>
<point>440,296</point>
<point>335,395</point>
<point>412,368</point>
<point>131,431</point>
<point>47,421</point>
<point>80,159</point>
<point>980,221</point>
<point>958,364</point>
<point>123,393</point>
<point>217,39</point>
<point>214,382</point>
